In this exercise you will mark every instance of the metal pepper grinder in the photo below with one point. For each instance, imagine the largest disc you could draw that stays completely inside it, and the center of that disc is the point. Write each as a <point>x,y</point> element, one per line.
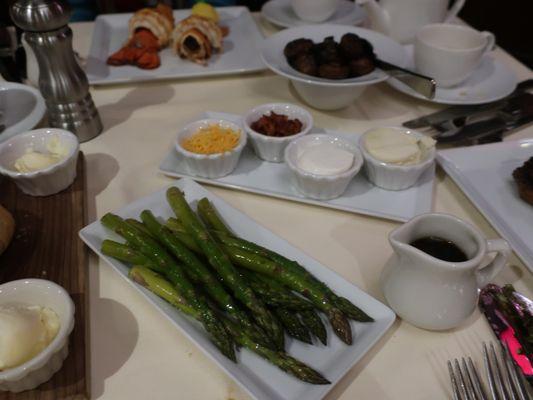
<point>62,82</point>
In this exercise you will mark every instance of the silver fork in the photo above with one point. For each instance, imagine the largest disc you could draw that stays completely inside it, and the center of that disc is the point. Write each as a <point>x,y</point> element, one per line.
<point>505,383</point>
<point>465,380</point>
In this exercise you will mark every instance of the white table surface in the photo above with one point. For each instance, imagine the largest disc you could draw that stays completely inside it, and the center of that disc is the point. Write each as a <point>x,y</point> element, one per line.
<point>136,354</point>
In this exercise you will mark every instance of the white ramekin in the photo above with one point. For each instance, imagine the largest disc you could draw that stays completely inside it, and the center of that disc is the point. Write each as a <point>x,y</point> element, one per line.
<point>46,181</point>
<point>390,176</point>
<point>271,148</point>
<point>321,187</point>
<point>38,292</point>
<point>210,165</point>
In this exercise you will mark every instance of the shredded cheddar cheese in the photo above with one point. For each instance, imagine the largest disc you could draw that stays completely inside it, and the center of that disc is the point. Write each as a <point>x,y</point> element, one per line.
<point>212,139</point>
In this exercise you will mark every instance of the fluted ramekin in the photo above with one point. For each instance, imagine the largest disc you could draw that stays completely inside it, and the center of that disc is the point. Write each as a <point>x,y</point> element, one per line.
<point>210,165</point>
<point>391,176</point>
<point>321,187</point>
<point>38,292</point>
<point>47,181</point>
<point>271,148</point>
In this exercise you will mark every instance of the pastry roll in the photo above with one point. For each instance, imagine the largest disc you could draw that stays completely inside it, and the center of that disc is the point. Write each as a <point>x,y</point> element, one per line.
<point>196,38</point>
<point>158,20</point>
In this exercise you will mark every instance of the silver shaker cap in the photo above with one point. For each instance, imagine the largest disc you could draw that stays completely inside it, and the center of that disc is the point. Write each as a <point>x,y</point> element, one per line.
<point>40,15</point>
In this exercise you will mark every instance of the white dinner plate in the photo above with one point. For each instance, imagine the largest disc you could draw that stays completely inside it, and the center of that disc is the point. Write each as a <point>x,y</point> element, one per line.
<point>484,174</point>
<point>274,179</point>
<point>255,375</point>
<point>491,81</point>
<point>240,50</point>
<point>280,13</point>
<point>384,47</point>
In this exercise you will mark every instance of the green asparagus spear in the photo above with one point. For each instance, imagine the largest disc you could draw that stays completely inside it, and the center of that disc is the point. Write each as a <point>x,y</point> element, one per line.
<point>281,359</point>
<point>314,323</point>
<point>251,261</point>
<point>151,249</point>
<point>125,253</point>
<point>179,231</point>
<point>292,324</point>
<point>210,215</point>
<point>164,289</point>
<point>273,293</point>
<point>200,274</point>
<point>221,263</point>
<point>140,226</point>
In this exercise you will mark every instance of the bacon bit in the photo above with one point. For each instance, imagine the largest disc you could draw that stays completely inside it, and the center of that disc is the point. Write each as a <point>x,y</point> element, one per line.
<point>277,125</point>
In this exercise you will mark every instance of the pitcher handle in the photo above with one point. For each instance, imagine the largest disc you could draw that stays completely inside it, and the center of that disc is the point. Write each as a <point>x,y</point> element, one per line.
<point>457,5</point>
<point>489,271</point>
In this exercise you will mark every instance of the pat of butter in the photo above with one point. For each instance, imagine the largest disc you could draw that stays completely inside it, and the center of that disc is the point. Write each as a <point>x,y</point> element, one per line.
<point>34,161</point>
<point>325,159</point>
<point>395,147</point>
<point>24,332</point>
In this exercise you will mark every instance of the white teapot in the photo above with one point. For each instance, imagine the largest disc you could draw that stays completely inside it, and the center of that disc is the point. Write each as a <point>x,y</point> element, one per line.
<point>400,19</point>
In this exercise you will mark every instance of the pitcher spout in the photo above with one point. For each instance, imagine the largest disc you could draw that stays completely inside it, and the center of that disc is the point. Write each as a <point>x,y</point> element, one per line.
<point>379,17</point>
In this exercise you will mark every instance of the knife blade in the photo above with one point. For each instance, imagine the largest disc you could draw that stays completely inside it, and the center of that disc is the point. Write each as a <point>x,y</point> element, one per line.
<point>519,112</point>
<point>455,112</point>
<point>422,84</point>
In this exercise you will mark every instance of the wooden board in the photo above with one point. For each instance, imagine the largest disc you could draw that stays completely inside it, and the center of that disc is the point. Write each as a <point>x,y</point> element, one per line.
<point>46,245</point>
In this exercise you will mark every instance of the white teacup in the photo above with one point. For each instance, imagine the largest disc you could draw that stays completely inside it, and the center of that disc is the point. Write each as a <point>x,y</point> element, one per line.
<point>450,53</point>
<point>430,292</point>
<point>314,10</point>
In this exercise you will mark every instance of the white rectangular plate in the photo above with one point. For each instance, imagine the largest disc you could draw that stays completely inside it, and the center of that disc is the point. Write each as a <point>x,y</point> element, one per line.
<point>484,174</point>
<point>240,50</point>
<point>255,375</point>
<point>274,179</point>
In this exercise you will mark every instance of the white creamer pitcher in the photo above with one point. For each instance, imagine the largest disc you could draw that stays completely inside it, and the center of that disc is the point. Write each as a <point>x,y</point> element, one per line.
<point>400,19</point>
<point>429,292</point>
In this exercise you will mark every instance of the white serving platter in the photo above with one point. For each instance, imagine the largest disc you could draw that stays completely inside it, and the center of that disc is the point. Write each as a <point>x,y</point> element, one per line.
<point>274,179</point>
<point>240,54</point>
<point>484,174</point>
<point>260,379</point>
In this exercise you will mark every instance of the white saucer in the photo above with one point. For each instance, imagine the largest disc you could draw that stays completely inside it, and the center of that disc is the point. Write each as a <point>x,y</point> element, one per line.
<point>279,12</point>
<point>492,81</point>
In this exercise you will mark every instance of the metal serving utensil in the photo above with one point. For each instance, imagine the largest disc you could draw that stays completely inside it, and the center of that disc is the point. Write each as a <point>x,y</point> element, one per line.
<point>422,84</point>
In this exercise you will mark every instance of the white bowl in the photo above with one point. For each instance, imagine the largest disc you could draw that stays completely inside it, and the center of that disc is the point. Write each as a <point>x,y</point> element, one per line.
<point>329,94</point>
<point>321,187</point>
<point>271,148</point>
<point>314,10</point>
<point>210,165</point>
<point>22,107</point>
<point>38,292</point>
<point>46,181</point>
<point>390,176</point>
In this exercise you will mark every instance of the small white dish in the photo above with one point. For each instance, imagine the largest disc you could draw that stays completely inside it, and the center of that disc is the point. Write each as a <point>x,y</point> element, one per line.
<point>491,81</point>
<point>260,379</point>
<point>484,174</point>
<point>21,107</point>
<point>315,11</point>
<point>280,13</point>
<point>329,94</point>
<point>271,148</point>
<point>395,177</point>
<point>210,165</point>
<point>38,292</point>
<point>240,50</point>
<point>253,175</point>
<point>46,181</point>
<point>321,187</point>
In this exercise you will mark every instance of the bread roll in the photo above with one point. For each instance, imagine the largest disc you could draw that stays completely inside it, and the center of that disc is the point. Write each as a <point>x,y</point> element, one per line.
<point>7,228</point>
<point>196,38</point>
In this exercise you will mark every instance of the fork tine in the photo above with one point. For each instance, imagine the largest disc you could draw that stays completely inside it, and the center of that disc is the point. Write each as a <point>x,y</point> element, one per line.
<point>456,393</point>
<point>498,375</point>
<point>462,383</point>
<point>468,380</point>
<point>478,387</point>
<point>508,378</point>
<point>515,374</point>
<point>490,373</point>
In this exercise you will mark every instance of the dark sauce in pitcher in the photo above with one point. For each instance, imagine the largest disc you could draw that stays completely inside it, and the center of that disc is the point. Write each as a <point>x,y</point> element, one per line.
<point>440,248</point>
